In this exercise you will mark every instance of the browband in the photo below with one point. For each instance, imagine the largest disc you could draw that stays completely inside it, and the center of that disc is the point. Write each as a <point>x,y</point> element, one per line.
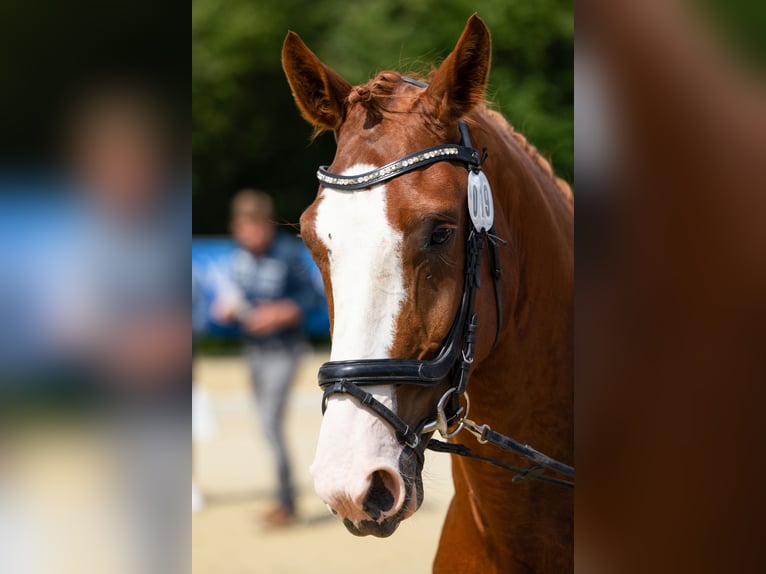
<point>448,152</point>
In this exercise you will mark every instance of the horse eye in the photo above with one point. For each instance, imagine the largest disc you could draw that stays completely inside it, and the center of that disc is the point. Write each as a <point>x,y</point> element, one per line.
<point>441,235</point>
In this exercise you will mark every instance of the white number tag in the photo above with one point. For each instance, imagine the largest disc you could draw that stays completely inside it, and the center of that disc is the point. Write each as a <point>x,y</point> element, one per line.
<point>480,204</point>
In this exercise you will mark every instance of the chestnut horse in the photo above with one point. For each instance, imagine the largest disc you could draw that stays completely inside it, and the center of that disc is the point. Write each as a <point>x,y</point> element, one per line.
<point>393,244</point>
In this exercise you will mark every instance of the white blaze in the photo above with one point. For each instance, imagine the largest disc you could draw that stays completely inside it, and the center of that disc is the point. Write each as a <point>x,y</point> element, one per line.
<point>368,290</point>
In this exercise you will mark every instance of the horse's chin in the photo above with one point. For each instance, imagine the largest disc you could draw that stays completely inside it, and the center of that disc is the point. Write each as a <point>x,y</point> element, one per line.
<point>371,528</point>
<point>387,526</point>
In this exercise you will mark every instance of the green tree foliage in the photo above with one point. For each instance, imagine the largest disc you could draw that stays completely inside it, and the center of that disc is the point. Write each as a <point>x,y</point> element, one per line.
<point>247,131</point>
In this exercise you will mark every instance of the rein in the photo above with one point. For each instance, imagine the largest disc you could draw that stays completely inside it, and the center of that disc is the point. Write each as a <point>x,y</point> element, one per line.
<point>453,362</point>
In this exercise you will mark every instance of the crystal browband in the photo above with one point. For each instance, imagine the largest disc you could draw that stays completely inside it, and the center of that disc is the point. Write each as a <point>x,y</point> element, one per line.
<point>448,152</point>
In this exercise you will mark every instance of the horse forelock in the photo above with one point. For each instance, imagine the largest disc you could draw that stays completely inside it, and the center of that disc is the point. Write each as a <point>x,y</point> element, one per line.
<point>375,93</point>
<point>391,94</point>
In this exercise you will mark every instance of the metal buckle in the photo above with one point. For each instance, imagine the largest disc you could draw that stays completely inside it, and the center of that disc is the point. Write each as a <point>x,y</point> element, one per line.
<point>477,430</point>
<point>441,423</point>
<point>413,444</point>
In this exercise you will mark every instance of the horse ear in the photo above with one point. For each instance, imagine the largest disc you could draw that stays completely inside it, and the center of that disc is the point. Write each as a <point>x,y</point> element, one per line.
<point>460,81</point>
<point>319,91</point>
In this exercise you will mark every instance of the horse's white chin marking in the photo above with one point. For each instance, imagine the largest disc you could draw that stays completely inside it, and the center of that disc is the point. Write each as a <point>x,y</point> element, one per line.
<point>368,290</point>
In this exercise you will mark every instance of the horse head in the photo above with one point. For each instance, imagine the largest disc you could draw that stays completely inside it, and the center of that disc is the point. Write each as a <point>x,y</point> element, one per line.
<point>392,258</point>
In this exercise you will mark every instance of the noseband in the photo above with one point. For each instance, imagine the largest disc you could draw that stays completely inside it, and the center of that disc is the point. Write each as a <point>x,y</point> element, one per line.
<point>453,362</point>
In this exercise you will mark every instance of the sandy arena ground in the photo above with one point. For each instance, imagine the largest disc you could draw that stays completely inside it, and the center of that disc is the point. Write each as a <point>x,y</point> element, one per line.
<point>235,472</point>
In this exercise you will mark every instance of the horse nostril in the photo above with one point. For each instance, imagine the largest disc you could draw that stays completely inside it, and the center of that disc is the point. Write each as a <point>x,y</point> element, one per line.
<point>380,498</point>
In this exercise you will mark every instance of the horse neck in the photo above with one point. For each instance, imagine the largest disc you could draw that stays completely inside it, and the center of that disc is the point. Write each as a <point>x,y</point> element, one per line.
<point>523,387</point>
<point>535,216</point>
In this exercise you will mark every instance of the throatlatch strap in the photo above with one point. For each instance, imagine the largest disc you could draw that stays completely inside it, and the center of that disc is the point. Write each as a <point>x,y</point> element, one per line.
<point>497,275</point>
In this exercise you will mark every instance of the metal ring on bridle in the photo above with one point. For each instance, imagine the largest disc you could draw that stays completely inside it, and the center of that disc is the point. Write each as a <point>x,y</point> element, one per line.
<point>441,422</point>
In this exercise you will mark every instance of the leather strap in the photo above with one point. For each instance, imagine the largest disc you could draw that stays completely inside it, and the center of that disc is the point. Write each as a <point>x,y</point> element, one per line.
<point>524,450</point>
<point>408,163</point>
<point>404,433</point>
<point>522,474</point>
<point>497,276</point>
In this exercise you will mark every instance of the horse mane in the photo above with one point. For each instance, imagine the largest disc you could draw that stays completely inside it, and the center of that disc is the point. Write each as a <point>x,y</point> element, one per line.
<point>543,164</point>
<point>377,94</point>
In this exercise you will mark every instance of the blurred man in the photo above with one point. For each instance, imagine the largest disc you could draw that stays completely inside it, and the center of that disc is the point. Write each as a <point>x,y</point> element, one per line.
<point>271,292</point>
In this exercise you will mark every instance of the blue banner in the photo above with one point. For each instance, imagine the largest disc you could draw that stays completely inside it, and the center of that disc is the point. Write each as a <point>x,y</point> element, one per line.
<point>211,261</point>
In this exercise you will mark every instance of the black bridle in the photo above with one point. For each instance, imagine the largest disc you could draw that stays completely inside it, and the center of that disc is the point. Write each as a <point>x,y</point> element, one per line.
<point>453,362</point>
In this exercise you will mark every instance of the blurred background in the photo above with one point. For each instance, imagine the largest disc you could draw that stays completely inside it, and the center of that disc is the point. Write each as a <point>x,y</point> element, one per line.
<point>670,285</point>
<point>95,212</point>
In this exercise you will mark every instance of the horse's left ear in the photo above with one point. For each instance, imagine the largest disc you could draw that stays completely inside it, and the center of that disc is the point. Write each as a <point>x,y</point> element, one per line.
<point>461,80</point>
